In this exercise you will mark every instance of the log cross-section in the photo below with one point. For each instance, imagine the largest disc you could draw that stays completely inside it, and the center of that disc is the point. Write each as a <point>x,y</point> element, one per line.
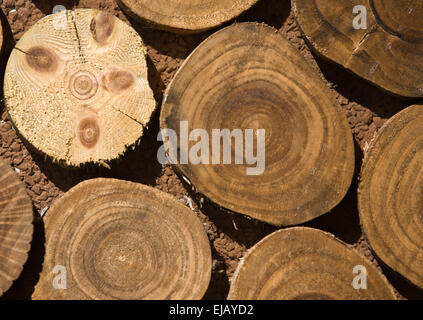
<point>184,16</point>
<point>390,195</point>
<point>379,40</point>
<point>112,239</point>
<point>16,229</point>
<point>248,77</point>
<point>78,90</point>
<point>307,264</point>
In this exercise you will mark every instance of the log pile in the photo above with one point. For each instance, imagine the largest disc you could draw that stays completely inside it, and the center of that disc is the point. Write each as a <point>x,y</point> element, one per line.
<point>186,16</point>
<point>246,122</point>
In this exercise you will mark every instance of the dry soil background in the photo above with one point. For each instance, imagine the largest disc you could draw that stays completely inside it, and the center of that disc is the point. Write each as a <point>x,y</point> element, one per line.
<point>366,107</point>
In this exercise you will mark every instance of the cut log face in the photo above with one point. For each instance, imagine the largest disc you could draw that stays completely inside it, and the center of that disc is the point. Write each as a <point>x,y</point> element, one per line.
<point>186,16</point>
<point>248,77</point>
<point>384,45</point>
<point>1,33</point>
<point>302,264</point>
<point>76,87</point>
<point>16,227</point>
<point>391,193</point>
<point>111,239</point>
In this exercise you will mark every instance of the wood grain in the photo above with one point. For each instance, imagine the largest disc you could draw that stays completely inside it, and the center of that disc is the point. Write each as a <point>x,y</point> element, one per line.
<point>16,227</point>
<point>79,93</point>
<point>302,263</point>
<point>390,194</point>
<point>186,16</point>
<point>122,240</point>
<point>1,32</point>
<point>247,76</point>
<point>388,52</point>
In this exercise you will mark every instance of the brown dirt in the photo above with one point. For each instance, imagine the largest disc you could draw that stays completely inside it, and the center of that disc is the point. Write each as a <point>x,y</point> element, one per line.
<point>366,107</point>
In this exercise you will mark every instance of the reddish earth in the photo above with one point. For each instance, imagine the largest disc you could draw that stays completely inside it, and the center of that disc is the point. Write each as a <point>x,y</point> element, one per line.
<point>366,107</point>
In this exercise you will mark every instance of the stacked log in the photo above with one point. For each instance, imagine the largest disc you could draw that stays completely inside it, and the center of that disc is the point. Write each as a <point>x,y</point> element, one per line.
<point>247,76</point>
<point>379,40</point>
<point>256,131</point>
<point>390,194</point>
<point>16,227</point>
<point>112,239</point>
<point>79,93</point>
<point>302,263</point>
<point>185,16</point>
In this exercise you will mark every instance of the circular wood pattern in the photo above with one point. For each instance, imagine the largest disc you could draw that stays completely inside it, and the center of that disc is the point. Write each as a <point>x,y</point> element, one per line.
<point>247,76</point>
<point>388,52</point>
<point>301,264</point>
<point>16,227</point>
<point>77,90</point>
<point>122,240</point>
<point>391,193</point>
<point>186,16</point>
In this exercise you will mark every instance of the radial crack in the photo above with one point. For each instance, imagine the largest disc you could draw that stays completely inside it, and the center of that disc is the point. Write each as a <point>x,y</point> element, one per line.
<point>362,41</point>
<point>78,38</point>
<point>126,115</point>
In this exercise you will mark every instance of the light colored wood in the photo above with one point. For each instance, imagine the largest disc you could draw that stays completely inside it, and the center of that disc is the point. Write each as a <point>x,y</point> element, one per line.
<point>390,194</point>
<point>122,240</point>
<point>79,93</point>
<point>1,32</point>
<point>302,263</point>
<point>186,16</point>
<point>16,216</point>
<point>388,52</point>
<point>247,76</point>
